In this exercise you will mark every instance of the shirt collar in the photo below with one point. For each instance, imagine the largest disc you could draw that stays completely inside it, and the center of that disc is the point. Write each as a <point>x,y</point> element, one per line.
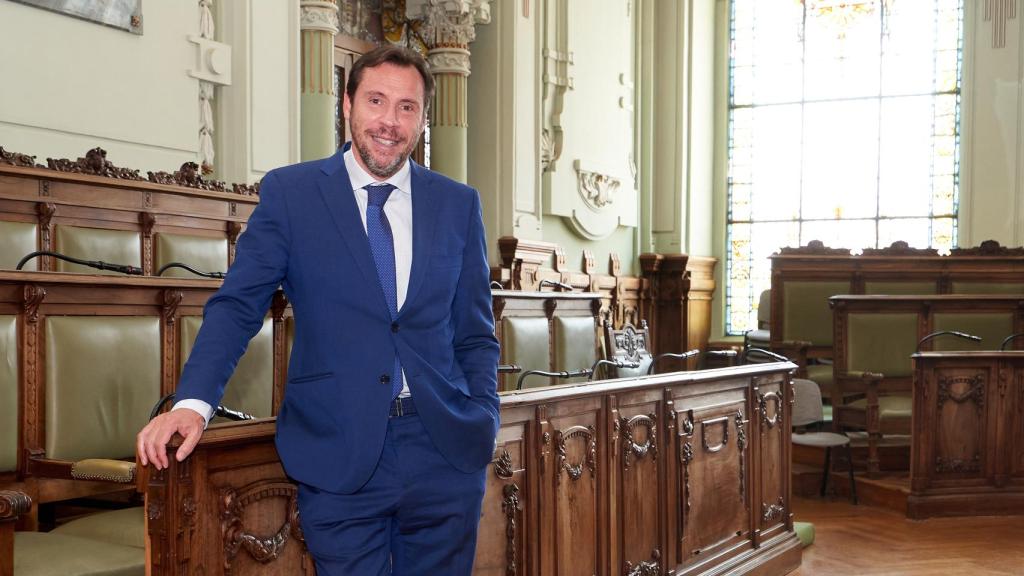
<point>401,180</point>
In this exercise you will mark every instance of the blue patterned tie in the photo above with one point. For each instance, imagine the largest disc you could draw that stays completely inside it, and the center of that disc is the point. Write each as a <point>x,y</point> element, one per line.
<point>382,245</point>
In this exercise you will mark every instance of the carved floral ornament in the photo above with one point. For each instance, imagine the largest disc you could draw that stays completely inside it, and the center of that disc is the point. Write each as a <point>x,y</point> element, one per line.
<point>448,23</point>
<point>598,190</point>
<point>319,15</point>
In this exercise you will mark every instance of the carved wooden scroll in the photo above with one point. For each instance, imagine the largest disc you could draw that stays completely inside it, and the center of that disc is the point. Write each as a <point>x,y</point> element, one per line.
<point>588,436</point>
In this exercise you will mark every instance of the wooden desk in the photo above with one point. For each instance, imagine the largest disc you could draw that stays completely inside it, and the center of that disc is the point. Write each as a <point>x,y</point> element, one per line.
<point>685,473</point>
<point>968,434</point>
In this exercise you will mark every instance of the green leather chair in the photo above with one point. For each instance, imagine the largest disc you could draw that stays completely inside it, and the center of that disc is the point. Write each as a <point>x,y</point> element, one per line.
<point>113,246</point>
<point>526,342</point>
<point>16,240</point>
<point>200,252</point>
<point>575,345</point>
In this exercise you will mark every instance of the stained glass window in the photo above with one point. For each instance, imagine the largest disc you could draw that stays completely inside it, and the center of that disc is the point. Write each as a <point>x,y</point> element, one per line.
<point>843,127</point>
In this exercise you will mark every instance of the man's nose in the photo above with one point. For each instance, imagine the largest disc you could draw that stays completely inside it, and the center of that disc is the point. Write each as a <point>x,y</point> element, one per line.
<point>391,116</point>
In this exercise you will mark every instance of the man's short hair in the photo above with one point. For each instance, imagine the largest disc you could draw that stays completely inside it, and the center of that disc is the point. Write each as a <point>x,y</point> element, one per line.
<point>399,56</point>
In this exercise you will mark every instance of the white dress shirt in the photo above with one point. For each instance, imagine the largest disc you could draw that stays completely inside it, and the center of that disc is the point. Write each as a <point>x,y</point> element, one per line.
<point>398,209</point>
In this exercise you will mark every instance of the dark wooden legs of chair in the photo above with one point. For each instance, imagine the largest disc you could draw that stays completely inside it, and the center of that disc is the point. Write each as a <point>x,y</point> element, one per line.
<point>828,466</point>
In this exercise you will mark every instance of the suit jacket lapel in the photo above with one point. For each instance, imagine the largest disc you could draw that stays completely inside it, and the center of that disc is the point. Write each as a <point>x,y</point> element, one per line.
<point>336,190</point>
<point>424,219</point>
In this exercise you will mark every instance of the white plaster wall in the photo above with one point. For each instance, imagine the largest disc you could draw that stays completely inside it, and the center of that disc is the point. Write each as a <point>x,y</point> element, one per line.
<point>70,85</point>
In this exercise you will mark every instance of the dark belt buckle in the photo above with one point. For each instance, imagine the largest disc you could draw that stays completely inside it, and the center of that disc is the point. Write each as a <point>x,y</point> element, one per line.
<point>397,410</point>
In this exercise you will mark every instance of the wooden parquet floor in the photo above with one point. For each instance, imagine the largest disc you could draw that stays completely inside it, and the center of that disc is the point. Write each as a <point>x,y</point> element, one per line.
<point>872,541</point>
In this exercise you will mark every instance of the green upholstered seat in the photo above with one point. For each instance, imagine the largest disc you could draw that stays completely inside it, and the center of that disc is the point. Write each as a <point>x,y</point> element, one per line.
<point>200,252</point>
<point>822,375</point>
<point>991,326</point>
<point>113,246</point>
<point>526,342</point>
<point>881,343</point>
<point>102,379</point>
<point>125,527</point>
<point>16,240</point>
<point>251,388</point>
<point>8,393</point>
<point>575,344</point>
<point>988,288</point>
<point>804,533</point>
<point>52,554</point>
<point>889,407</point>
<point>806,313</point>
<point>887,287</point>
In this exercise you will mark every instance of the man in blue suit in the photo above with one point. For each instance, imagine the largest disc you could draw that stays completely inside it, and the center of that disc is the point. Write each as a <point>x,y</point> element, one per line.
<point>391,408</point>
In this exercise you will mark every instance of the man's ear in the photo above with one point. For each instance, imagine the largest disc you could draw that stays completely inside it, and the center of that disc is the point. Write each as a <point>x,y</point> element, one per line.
<point>346,105</point>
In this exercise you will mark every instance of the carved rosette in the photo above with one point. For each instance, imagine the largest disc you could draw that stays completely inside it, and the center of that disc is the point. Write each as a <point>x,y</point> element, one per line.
<point>589,438</point>
<point>630,448</point>
<point>651,568</point>
<point>319,15</point>
<point>263,549</point>
<point>775,511</point>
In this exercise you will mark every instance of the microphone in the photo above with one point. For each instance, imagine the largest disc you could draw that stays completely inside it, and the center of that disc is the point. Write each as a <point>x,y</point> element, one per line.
<point>559,285</point>
<point>190,269</point>
<point>616,363</point>
<point>956,333</point>
<point>222,411</point>
<point>683,356</point>
<point>762,352</point>
<point>1009,339</point>
<point>98,264</point>
<point>562,374</point>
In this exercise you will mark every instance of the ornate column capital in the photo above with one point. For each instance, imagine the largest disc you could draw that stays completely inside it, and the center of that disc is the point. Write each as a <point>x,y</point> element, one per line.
<point>448,28</point>
<point>319,15</point>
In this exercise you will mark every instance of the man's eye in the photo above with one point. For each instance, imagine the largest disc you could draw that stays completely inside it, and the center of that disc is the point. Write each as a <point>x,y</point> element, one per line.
<point>408,108</point>
<point>374,100</point>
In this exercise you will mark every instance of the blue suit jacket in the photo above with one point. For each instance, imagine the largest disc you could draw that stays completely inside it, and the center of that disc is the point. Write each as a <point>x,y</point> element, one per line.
<point>307,236</point>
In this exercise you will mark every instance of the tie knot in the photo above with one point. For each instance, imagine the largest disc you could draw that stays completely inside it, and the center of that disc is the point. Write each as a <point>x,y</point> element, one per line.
<point>378,193</point>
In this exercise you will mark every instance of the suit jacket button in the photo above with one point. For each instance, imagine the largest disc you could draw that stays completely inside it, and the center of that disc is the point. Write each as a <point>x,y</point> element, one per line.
<point>394,326</point>
<point>385,379</point>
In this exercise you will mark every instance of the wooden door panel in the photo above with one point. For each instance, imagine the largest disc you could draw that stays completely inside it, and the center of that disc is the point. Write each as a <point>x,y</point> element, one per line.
<point>638,464</point>
<point>772,418</point>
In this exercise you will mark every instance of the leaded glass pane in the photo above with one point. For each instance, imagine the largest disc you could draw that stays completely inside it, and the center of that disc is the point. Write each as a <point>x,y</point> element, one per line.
<point>843,127</point>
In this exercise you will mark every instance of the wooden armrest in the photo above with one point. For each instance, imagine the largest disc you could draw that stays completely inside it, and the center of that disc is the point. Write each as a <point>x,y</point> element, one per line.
<point>12,505</point>
<point>796,351</point>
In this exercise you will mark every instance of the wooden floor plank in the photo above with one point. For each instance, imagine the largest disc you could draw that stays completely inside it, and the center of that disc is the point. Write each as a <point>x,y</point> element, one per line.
<point>872,541</point>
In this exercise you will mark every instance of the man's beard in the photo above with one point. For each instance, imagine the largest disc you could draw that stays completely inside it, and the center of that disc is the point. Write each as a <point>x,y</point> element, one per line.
<point>381,171</point>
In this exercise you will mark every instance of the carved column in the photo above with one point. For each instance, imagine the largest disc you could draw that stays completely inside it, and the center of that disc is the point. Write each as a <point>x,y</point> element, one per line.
<point>319,25</point>
<point>670,286</point>
<point>448,28</point>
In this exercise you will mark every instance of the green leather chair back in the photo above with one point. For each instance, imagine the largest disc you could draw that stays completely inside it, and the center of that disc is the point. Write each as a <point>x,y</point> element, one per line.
<point>525,342</point>
<point>575,344</point>
<point>896,288</point>
<point>251,388</point>
<point>881,343</point>
<point>112,246</point>
<point>991,326</point>
<point>102,379</point>
<point>200,252</point>
<point>8,393</point>
<point>16,240</point>
<point>988,288</point>
<point>806,314</point>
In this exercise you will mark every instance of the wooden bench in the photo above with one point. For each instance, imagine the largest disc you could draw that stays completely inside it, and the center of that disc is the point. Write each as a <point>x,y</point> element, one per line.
<point>875,337</point>
<point>88,358</point>
<point>624,476</point>
<point>804,278</point>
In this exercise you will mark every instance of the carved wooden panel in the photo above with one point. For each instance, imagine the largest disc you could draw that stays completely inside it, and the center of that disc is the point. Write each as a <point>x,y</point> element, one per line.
<point>960,404</point>
<point>504,530</point>
<point>638,460</point>
<point>571,482</point>
<point>773,421</point>
<point>713,462</point>
<point>260,532</point>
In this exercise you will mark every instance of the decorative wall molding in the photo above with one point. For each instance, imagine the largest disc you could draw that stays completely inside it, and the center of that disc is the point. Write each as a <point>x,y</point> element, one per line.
<point>998,12</point>
<point>319,15</point>
<point>95,162</point>
<point>213,68</point>
<point>17,159</point>
<point>597,188</point>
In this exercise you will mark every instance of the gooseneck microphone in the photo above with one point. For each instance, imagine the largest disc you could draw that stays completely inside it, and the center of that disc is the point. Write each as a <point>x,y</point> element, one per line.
<point>1009,339</point>
<point>97,264</point>
<point>190,269</point>
<point>938,333</point>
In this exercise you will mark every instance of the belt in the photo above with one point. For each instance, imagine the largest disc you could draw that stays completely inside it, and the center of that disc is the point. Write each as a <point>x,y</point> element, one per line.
<point>402,406</point>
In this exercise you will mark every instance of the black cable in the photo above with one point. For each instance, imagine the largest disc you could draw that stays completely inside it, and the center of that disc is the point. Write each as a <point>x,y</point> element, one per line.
<point>98,264</point>
<point>190,269</point>
<point>495,285</point>
<point>762,352</point>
